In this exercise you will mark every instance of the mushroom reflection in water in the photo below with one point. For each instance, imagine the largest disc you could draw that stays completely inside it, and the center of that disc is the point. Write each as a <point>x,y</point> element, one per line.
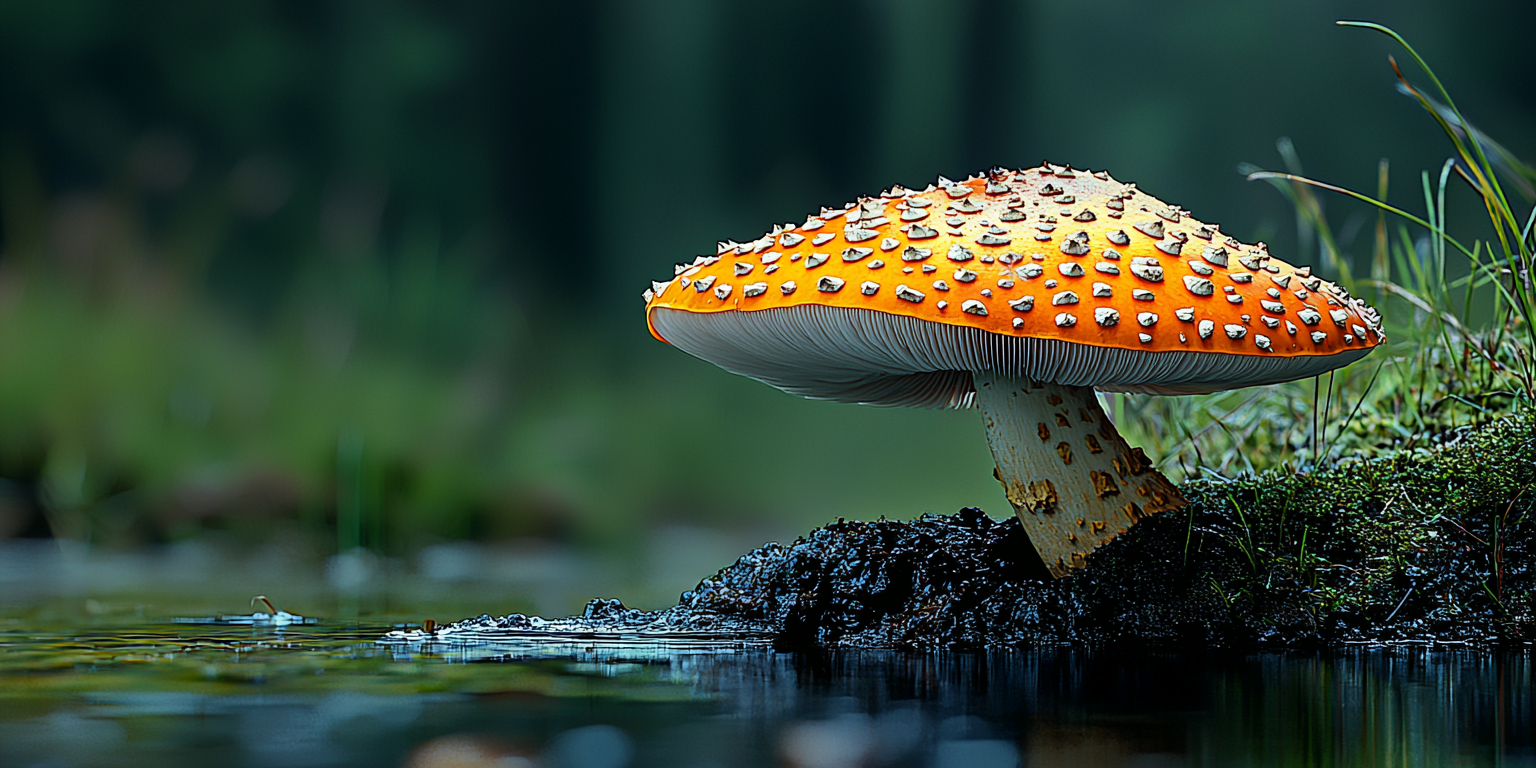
<point>1019,293</point>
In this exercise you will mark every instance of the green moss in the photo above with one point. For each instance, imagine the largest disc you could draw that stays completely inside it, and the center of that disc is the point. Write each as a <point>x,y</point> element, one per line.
<point>1430,543</point>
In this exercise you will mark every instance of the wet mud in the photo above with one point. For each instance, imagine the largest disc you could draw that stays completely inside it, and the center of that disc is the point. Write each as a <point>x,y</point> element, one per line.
<point>1429,546</point>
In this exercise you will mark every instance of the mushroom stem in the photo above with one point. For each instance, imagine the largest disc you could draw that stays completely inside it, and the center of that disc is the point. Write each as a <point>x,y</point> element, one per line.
<point>1071,478</point>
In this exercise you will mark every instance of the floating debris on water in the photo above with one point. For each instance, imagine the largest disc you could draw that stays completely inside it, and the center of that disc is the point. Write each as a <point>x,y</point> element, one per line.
<point>275,618</point>
<point>258,619</point>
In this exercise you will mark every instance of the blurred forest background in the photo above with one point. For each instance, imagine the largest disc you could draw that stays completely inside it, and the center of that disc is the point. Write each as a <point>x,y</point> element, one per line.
<point>362,277</point>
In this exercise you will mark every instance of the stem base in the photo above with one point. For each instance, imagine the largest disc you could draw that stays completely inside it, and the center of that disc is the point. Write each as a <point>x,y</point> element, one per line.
<point>1071,478</point>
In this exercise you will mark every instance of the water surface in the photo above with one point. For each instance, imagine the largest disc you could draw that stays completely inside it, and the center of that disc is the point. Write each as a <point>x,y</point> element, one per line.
<point>212,692</point>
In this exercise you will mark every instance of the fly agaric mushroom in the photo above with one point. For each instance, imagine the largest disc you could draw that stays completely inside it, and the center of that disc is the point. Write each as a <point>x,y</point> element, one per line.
<point>1019,293</point>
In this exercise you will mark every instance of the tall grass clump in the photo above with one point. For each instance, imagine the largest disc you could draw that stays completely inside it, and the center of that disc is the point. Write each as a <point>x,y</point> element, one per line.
<point>1460,314</point>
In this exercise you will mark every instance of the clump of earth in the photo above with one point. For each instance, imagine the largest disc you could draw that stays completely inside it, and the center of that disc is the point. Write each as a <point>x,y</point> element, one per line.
<point>1433,545</point>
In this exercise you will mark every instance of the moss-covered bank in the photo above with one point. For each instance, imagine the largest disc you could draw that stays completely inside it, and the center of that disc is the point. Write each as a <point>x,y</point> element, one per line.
<point>1430,545</point>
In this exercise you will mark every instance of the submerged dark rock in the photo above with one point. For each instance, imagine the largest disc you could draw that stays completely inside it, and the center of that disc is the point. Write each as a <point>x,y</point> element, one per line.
<point>1429,546</point>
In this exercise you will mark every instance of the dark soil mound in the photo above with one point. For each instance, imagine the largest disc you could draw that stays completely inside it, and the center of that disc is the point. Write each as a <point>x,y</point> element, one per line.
<point>1434,545</point>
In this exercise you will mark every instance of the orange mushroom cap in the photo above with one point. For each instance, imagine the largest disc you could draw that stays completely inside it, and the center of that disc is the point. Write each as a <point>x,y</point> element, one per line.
<point>1050,273</point>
